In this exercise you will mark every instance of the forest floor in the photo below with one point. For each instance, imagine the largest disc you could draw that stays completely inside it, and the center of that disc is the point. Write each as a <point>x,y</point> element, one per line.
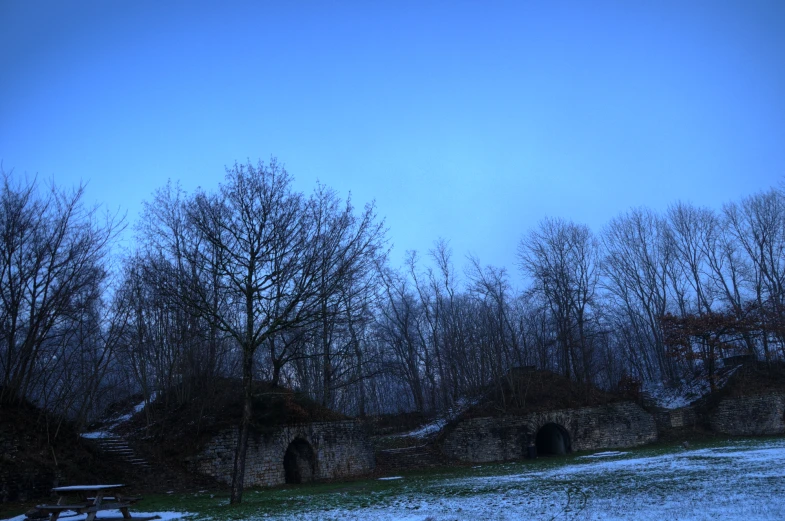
<point>728,479</point>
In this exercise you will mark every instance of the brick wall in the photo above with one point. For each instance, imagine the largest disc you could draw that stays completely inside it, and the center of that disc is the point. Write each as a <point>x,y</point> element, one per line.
<point>750,415</point>
<point>341,449</point>
<point>615,425</point>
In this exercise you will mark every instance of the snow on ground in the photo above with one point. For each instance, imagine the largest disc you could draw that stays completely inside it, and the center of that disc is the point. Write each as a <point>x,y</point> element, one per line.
<point>107,432</point>
<point>741,480</point>
<point>607,454</point>
<point>686,393</point>
<point>679,396</point>
<point>97,434</point>
<point>141,405</point>
<point>438,424</point>
<point>426,430</point>
<point>73,516</point>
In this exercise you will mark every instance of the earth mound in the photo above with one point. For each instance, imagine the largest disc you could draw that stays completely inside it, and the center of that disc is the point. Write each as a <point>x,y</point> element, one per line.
<point>756,378</point>
<point>175,426</point>
<point>39,451</point>
<point>524,391</point>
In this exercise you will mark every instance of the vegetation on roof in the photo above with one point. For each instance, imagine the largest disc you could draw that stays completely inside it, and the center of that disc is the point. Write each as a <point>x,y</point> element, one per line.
<point>526,391</point>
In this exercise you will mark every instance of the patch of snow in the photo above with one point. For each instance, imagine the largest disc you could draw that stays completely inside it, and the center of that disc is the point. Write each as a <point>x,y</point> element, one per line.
<point>96,434</point>
<point>686,393</point>
<point>674,397</point>
<point>607,454</point>
<point>391,478</point>
<point>427,429</point>
<point>438,424</point>
<point>85,487</point>
<point>140,406</point>
<point>677,485</point>
<point>165,516</point>
<point>117,421</point>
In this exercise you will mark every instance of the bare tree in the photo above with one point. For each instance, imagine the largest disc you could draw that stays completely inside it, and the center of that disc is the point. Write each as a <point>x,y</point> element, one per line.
<point>397,329</point>
<point>561,258</point>
<point>53,254</point>
<point>758,225</point>
<point>272,260</point>
<point>637,265</point>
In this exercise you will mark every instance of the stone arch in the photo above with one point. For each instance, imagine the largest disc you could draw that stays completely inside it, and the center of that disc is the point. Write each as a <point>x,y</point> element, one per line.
<point>299,462</point>
<point>553,439</point>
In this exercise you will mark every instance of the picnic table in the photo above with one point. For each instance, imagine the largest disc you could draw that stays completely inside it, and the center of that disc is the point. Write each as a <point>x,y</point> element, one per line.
<point>91,499</point>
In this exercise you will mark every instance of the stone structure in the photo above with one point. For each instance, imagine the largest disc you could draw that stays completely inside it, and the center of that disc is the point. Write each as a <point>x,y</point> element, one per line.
<point>672,422</point>
<point>291,454</point>
<point>623,424</point>
<point>755,415</point>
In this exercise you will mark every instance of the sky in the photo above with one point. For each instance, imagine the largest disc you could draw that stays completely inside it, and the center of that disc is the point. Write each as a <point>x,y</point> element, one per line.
<point>469,121</point>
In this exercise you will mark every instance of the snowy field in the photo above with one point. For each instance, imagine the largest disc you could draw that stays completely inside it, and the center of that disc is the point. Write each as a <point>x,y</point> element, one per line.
<point>743,479</point>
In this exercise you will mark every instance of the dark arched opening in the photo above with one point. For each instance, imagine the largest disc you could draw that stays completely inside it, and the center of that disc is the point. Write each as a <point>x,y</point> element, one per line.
<point>553,439</point>
<point>299,462</point>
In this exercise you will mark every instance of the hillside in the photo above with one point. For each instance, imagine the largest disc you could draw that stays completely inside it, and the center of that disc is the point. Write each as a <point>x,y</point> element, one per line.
<point>39,451</point>
<point>525,391</point>
<point>173,428</point>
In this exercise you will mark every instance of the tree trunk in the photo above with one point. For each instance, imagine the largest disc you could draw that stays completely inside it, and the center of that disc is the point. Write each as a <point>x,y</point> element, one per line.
<point>238,475</point>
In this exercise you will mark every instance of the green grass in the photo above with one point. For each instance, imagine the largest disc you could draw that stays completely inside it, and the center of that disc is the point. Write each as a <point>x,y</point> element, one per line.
<point>373,492</point>
<point>538,480</point>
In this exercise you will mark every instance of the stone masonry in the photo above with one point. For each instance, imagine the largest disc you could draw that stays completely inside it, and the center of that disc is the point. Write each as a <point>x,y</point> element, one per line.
<point>671,422</point>
<point>341,449</point>
<point>759,415</point>
<point>623,424</point>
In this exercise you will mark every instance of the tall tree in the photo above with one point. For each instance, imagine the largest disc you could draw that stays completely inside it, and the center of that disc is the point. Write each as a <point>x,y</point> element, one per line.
<point>274,259</point>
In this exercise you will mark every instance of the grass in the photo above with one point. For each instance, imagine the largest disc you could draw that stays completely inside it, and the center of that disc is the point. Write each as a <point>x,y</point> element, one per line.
<point>655,476</point>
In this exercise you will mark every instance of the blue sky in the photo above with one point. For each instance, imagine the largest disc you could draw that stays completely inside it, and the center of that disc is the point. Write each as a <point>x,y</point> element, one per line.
<point>464,120</point>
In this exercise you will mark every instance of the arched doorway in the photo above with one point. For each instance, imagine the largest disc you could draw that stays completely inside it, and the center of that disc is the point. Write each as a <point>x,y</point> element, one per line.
<point>553,439</point>
<point>299,462</point>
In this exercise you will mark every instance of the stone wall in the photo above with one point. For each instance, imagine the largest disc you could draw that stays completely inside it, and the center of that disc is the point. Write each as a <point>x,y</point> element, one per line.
<point>393,461</point>
<point>341,449</point>
<point>750,415</point>
<point>672,422</point>
<point>623,424</point>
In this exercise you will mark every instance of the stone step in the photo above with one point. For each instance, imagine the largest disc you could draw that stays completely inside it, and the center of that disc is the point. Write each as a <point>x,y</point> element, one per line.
<point>118,447</point>
<point>410,458</point>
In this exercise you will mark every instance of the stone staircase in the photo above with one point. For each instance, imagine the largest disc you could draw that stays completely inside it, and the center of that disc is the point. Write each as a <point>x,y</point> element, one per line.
<point>118,447</point>
<point>410,458</point>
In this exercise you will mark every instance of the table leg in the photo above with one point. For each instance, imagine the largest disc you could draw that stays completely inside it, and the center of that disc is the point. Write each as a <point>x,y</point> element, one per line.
<point>56,513</point>
<point>99,496</point>
<point>126,513</point>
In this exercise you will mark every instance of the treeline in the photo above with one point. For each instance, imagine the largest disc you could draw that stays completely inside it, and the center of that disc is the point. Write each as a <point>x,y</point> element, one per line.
<point>258,281</point>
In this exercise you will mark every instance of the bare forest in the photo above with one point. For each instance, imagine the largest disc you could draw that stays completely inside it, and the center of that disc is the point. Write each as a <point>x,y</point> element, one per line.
<point>260,282</point>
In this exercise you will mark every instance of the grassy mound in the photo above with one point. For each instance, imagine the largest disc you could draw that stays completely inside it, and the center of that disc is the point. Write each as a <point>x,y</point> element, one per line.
<point>750,379</point>
<point>756,378</point>
<point>521,392</point>
<point>39,451</point>
<point>177,426</point>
